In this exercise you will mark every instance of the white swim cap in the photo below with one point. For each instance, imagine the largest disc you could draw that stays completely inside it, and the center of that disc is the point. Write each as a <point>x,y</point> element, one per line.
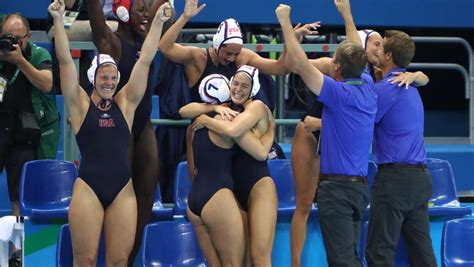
<point>99,60</point>
<point>228,33</point>
<point>252,72</point>
<point>214,89</point>
<point>364,36</point>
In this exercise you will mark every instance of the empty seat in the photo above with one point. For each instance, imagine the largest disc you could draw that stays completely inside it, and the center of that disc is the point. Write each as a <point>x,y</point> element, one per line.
<point>171,244</point>
<point>64,256</point>
<point>401,256</point>
<point>444,199</point>
<point>282,174</point>
<point>182,185</point>
<point>159,212</point>
<point>46,189</point>
<point>457,243</point>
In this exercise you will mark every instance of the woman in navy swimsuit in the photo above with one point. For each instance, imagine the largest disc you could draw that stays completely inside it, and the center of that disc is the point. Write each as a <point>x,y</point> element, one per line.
<point>103,195</point>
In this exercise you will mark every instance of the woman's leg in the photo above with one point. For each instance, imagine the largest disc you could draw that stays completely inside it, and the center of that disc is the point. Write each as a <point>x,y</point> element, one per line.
<point>221,215</point>
<point>145,180</point>
<point>245,221</point>
<point>86,216</point>
<point>204,239</point>
<point>305,163</point>
<point>120,222</point>
<point>189,151</point>
<point>262,215</point>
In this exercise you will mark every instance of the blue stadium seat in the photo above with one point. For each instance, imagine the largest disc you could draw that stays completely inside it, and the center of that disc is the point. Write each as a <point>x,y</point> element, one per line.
<point>5,205</point>
<point>159,212</point>
<point>46,189</point>
<point>282,174</point>
<point>401,256</point>
<point>182,185</point>
<point>457,243</point>
<point>64,256</point>
<point>444,199</point>
<point>171,244</point>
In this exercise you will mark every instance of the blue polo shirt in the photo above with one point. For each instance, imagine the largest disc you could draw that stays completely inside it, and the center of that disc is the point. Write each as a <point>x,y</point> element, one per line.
<point>348,123</point>
<point>398,134</point>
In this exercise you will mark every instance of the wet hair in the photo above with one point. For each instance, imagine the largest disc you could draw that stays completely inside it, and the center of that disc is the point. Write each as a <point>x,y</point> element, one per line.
<point>401,46</point>
<point>235,107</point>
<point>352,58</point>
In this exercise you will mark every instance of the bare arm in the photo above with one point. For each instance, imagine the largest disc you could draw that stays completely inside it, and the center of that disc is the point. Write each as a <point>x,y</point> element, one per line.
<point>75,98</point>
<point>344,8</point>
<point>297,59</point>
<point>242,123</point>
<point>136,85</point>
<point>194,109</point>
<point>323,64</point>
<point>258,147</point>
<point>406,78</point>
<point>265,65</point>
<point>168,46</point>
<point>104,39</point>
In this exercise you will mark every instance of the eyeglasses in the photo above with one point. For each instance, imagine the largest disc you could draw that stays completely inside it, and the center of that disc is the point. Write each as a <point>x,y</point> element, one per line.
<point>24,36</point>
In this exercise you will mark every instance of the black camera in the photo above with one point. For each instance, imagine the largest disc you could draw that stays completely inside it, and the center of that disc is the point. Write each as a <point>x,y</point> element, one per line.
<point>7,40</point>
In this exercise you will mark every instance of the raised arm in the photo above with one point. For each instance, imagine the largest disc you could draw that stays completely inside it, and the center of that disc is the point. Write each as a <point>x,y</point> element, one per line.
<point>323,64</point>
<point>297,60</point>
<point>344,8</point>
<point>75,98</point>
<point>136,85</point>
<point>168,46</point>
<point>104,38</point>
<point>265,65</point>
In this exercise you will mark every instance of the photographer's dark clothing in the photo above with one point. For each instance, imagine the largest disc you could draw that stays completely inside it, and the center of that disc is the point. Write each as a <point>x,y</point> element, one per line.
<point>17,142</point>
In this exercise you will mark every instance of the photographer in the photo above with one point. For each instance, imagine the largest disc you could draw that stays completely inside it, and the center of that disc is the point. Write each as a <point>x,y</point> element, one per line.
<point>25,109</point>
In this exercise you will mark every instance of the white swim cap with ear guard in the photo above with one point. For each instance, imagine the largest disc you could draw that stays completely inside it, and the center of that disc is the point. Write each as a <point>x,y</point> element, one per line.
<point>252,72</point>
<point>214,89</point>
<point>99,60</point>
<point>228,33</point>
<point>364,36</point>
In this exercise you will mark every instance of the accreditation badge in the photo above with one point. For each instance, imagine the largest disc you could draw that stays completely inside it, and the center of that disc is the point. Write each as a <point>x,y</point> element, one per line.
<point>3,87</point>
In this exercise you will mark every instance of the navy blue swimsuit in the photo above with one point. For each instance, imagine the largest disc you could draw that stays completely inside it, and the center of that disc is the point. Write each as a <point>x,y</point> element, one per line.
<point>226,70</point>
<point>213,165</point>
<point>246,172</point>
<point>103,140</point>
<point>125,66</point>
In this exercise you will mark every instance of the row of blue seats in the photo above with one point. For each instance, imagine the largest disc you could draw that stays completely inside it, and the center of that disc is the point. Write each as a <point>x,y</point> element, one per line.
<point>46,190</point>
<point>444,200</point>
<point>173,243</point>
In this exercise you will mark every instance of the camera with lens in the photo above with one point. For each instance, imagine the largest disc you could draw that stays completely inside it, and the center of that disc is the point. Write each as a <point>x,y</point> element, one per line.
<point>7,40</point>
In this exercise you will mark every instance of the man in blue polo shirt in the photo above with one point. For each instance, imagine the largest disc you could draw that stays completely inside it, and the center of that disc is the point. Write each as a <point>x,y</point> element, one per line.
<point>348,118</point>
<point>403,183</point>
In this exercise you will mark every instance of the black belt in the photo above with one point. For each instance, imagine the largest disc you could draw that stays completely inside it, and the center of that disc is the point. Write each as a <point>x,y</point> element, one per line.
<point>342,178</point>
<point>403,166</point>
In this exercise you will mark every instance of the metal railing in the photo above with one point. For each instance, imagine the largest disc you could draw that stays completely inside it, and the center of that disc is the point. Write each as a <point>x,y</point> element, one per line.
<point>71,152</point>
